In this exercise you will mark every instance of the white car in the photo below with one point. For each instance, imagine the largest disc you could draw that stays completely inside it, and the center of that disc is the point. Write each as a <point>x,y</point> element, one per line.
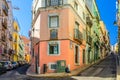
<point>7,64</point>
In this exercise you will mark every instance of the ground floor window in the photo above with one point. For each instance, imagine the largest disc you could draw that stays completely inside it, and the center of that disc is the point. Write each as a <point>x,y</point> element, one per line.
<point>52,66</point>
<point>53,48</point>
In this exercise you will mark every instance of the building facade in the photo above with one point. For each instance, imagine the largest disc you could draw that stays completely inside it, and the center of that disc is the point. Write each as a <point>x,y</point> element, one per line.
<point>26,48</point>
<point>21,53</point>
<point>10,31</point>
<point>61,42</point>
<point>65,33</point>
<point>3,30</point>
<point>16,40</point>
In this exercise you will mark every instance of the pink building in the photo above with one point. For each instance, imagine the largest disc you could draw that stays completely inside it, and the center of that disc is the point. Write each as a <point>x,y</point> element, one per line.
<point>58,33</point>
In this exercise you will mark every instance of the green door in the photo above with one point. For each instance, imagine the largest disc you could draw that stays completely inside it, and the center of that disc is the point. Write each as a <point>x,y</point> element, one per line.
<point>61,64</point>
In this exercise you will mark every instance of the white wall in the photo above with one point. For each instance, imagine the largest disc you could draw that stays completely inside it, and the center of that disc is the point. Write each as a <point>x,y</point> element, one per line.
<point>36,27</point>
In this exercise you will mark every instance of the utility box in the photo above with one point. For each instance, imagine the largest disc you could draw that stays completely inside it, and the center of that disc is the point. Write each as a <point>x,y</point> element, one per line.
<point>61,65</point>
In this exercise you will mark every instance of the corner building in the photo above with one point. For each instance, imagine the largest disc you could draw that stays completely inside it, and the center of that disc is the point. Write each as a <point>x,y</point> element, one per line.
<point>58,34</point>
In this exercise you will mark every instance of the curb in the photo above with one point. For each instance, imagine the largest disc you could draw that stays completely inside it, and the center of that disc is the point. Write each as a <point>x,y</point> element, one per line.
<point>58,75</point>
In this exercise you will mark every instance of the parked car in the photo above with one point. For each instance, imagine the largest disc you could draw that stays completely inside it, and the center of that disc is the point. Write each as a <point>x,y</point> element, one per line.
<point>7,64</point>
<point>14,64</point>
<point>2,68</point>
<point>19,63</point>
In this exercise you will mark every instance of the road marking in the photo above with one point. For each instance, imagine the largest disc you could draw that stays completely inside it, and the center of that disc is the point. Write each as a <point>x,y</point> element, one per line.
<point>92,78</point>
<point>87,71</point>
<point>97,71</point>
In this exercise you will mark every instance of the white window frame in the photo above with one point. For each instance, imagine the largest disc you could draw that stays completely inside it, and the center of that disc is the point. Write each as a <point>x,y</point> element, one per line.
<point>54,14</point>
<point>76,6</point>
<point>54,42</point>
<point>49,65</point>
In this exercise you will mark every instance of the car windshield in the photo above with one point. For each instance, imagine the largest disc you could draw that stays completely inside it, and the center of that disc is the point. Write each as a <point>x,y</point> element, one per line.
<point>4,63</point>
<point>13,62</point>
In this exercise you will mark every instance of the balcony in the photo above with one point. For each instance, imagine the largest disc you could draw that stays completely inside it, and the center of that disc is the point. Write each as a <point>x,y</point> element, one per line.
<point>5,9</point>
<point>89,39</point>
<point>3,38</point>
<point>10,37</point>
<point>88,21</point>
<point>54,34</point>
<point>4,23</point>
<point>53,2</point>
<point>78,35</point>
<point>5,50</point>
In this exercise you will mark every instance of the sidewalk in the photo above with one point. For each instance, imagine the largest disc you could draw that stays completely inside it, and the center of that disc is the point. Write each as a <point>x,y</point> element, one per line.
<point>50,75</point>
<point>118,67</point>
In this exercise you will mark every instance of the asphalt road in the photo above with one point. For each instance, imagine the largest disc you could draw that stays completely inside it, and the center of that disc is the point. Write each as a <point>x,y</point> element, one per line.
<point>16,74</point>
<point>105,70</point>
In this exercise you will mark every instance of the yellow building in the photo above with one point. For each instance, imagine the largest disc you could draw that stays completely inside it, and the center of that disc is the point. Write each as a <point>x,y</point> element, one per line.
<point>16,40</point>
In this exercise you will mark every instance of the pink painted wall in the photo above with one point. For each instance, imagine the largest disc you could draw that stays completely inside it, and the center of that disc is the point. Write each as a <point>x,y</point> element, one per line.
<point>65,33</point>
<point>66,53</point>
<point>63,27</point>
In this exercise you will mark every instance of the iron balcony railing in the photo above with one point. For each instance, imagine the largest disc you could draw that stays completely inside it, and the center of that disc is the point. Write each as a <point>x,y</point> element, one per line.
<point>4,22</point>
<point>89,39</point>
<point>53,2</point>
<point>3,38</point>
<point>5,9</point>
<point>10,37</point>
<point>78,35</point>
<point>88,21</point>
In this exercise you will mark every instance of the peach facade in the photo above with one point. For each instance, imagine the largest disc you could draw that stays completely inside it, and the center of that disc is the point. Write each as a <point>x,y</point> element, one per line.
<point>66,53</point>
<point>67,19</point>
<point>69,49</point>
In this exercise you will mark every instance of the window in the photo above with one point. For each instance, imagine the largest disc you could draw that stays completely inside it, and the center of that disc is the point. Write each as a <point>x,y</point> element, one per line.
<point>84,34</point>
<point>53,21</point>
<point>83,15</point>
<point>76,25</point>
<point>76,6</point>
<point>53,2</point>
<point>53,48</point>
<point>53,34</point>
<point>52,66</point>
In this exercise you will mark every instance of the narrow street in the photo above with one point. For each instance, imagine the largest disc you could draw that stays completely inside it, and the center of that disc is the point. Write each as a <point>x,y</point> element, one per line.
<point>105,70</point>
<point>16,74</point>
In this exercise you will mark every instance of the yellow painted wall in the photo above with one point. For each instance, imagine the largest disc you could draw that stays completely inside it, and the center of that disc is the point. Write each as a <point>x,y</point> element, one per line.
<point>15,40</point>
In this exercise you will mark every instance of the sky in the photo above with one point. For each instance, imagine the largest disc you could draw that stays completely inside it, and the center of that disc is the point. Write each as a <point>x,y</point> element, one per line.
<point>23,15</point>
<point>107,9</point>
